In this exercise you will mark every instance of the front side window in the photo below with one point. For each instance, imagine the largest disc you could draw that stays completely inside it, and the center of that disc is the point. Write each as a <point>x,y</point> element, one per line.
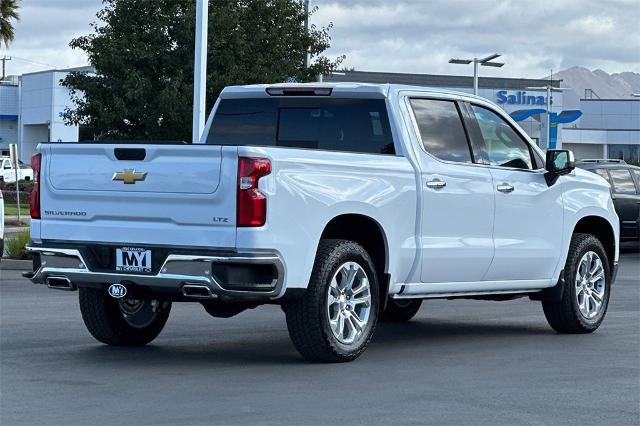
<point>441,129</point>
<point>333,124</point>
<point>504,146</point>
<point>622,181</point>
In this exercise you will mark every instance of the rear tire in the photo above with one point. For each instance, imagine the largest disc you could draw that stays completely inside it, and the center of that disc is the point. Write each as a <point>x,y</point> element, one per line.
<point>585,296</point>
<point>122,322</point>
<point>336,317</point>
<point>401,310</point>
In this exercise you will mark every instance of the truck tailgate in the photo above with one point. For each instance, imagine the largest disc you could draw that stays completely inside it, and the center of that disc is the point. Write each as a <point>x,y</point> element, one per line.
<point>178,195</point>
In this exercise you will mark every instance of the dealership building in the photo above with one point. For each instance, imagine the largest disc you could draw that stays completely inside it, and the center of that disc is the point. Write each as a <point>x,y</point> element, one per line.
<point>31,108</point>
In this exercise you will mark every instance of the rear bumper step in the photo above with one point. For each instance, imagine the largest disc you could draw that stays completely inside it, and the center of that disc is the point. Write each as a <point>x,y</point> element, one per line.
<point>239,275</point>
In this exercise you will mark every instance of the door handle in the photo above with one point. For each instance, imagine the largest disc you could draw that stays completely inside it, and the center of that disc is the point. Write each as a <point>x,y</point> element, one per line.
<point>436,184</point>
<point>505,187</point>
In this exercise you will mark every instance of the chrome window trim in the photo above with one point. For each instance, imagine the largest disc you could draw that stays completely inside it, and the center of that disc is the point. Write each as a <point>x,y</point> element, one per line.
<point>428,95</point>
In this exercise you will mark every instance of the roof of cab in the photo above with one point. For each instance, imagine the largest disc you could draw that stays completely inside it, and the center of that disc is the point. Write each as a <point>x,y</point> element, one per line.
<point>259,90</point>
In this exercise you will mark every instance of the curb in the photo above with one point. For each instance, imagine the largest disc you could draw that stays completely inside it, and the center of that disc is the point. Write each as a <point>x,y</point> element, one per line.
<point>16,265</point>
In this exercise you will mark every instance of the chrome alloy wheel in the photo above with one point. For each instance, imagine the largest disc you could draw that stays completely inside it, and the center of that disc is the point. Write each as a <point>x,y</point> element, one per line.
<point>590,285</point>
<point>349,302</point>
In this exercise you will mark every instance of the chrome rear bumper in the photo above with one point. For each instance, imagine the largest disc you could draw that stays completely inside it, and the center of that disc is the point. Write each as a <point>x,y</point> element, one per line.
<point>177,271</point>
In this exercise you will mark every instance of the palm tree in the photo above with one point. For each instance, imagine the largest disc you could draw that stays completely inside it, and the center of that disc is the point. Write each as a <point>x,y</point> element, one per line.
<point>8,13</point>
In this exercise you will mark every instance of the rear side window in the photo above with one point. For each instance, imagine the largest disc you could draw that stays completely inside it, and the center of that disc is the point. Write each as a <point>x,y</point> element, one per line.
<point>353,125</point>
<point>622,181</point>
<point>441,129</point>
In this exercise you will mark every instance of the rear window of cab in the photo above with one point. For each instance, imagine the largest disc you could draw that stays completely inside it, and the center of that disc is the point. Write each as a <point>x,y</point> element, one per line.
<point>332,124</point>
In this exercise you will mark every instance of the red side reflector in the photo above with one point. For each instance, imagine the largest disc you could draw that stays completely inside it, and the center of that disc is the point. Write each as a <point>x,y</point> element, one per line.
<point>251,203</point>
<point>34,196</point>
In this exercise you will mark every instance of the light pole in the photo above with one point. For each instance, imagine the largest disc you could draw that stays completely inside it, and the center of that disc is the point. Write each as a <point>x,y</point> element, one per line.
<point>550,89</point>
<point>200,69</point>
<point>485,62</point>
<point>306,31</point>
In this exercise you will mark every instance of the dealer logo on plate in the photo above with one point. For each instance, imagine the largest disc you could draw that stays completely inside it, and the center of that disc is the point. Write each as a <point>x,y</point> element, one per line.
<point>133,259</point>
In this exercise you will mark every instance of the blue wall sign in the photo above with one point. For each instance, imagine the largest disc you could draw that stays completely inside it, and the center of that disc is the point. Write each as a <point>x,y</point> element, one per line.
<point>554,119</point>
<point>519,98</point>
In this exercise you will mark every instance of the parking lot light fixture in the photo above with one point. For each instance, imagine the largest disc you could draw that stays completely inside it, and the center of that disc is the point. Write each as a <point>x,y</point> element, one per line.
<point>486,62</point>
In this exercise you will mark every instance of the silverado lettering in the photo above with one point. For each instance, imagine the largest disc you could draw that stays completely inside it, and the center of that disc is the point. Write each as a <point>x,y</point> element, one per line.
<point>63,213</point>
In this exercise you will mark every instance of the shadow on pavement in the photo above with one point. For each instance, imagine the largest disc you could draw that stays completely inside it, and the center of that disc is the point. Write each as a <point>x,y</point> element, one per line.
<point>278,350</point>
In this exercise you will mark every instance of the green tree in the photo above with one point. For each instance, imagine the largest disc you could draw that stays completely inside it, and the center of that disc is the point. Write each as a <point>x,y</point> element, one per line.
<point>142,51</point>
<point>8,14</point>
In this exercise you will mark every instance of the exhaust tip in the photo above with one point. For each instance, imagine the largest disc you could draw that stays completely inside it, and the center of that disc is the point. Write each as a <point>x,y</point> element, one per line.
<point>197,291</point>
<point>60,283</point>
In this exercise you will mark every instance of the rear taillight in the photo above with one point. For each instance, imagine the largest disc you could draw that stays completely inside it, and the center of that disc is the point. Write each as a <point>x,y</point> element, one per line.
<point>252,204</point>
<point>34,196</point>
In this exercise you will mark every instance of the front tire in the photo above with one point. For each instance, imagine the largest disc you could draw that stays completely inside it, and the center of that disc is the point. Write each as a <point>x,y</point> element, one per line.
<point>336,317</point>
<point>401,310</point>
<point>122,322</point>
<point>587,282</point>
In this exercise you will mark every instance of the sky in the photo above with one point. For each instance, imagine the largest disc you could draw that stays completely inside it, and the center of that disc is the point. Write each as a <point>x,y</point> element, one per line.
<point>413,36</point>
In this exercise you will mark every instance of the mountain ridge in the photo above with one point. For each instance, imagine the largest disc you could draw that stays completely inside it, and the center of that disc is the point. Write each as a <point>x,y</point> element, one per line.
<point>598,83</point>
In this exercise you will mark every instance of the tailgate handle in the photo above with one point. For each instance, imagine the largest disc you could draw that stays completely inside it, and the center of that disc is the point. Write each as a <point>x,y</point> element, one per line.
<point>136,154</point>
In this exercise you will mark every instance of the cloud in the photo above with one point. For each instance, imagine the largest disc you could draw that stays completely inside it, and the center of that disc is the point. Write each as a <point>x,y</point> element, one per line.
<point>593,25</point>
<point>44,31</point>
<point>404,35</point>
<point>533,37</point>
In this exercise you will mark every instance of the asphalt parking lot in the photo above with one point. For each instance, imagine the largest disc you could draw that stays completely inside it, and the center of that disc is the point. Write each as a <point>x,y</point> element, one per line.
<point>458,362</point>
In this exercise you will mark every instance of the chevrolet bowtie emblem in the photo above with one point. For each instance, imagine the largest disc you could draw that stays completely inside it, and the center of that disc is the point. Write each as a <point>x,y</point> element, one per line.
<point>129,176</point>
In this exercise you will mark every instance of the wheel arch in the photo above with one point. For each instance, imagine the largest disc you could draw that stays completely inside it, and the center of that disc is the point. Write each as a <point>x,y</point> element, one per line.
<point>602,229</point>
<point>367,232</point>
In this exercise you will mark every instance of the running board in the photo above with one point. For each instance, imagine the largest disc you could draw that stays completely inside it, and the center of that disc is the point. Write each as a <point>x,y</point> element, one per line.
<point>461,294</point>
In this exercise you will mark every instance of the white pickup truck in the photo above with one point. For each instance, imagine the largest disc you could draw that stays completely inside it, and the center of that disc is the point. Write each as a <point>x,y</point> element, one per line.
<point>343,203</point>
<point>8,172</point>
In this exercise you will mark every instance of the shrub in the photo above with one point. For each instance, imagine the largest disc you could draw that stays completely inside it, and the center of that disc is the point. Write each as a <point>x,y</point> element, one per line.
<point>10,197</point>
<point>15,246</point>
<point>25,185</point>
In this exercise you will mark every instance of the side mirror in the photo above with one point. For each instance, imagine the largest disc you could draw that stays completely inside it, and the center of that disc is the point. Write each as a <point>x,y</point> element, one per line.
<point>559,162</point>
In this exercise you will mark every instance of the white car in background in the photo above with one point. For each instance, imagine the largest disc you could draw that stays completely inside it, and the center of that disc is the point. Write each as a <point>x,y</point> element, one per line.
<point>8,173</point>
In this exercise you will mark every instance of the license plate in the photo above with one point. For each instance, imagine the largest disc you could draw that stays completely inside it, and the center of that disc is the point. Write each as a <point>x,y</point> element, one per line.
<point>133,259</point>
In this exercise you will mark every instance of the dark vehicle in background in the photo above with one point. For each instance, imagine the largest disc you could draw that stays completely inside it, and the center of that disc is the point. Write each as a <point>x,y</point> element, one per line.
<point>625,191</point>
